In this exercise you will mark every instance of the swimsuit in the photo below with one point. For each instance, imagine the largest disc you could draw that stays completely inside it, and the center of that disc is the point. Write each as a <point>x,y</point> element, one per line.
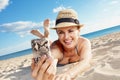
<point>76,49</point>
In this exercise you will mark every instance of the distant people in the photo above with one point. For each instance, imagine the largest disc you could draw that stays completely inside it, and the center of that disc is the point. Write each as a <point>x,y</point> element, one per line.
<point>69,48</point>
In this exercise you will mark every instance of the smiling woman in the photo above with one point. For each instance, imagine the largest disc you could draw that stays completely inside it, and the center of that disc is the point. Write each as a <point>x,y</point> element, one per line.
<point>67,35</point>
<point>69,48</point>
<point>23,14</point>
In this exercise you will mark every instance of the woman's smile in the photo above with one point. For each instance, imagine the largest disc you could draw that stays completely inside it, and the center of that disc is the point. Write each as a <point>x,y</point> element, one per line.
<point>68,42</point>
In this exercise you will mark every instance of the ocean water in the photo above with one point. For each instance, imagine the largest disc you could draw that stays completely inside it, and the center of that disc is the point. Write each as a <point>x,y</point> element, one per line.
<point>16,54</point>
<point>102,32</point>
<point>89,36</point>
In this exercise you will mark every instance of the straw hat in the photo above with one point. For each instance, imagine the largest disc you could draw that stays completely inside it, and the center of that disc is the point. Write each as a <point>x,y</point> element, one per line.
<point>67,18</point>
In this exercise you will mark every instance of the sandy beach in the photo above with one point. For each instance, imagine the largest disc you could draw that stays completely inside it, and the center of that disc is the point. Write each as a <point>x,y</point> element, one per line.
<point>105,66</point>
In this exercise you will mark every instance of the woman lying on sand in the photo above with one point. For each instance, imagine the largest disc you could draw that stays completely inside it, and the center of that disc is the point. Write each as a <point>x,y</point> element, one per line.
<point>69,48</point>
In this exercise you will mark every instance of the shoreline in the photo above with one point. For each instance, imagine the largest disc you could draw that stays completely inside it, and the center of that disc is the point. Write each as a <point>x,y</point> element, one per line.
<point>105,50</point>
<point>90,36</point>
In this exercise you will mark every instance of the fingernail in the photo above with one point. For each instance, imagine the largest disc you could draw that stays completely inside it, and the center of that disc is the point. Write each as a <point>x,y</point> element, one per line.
<point>44,56</point>
<point>50,59</point>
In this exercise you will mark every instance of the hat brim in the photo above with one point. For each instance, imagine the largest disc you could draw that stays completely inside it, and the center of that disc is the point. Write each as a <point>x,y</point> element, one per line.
<point>66,24</point>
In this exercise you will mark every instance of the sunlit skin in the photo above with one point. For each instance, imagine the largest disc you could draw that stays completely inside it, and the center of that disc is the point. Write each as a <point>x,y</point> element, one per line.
<point>63,52</point>
<point>68,37</point>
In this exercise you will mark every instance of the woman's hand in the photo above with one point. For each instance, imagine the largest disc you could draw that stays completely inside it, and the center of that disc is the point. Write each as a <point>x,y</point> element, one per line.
<point>45,69</point>
<point>46,28</point>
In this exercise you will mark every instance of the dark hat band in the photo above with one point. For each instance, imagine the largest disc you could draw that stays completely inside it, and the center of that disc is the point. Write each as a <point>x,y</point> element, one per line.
<point>67,20</point>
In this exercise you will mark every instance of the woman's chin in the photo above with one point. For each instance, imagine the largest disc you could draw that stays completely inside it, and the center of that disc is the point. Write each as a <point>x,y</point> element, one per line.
<point>69,46</point>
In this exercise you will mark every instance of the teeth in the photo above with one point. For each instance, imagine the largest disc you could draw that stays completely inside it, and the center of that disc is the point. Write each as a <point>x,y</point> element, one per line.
<point>68,42</point>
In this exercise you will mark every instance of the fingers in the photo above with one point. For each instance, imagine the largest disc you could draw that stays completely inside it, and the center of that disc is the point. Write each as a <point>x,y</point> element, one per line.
<point>52,67</point>
<point>51,77</point>
<point>37,33</point>
<point>51,71</point>
<point>32,64</point>
<point>43,69</point>
<point>38,66</point>
<point>46,33</point>
<point>46,23</point>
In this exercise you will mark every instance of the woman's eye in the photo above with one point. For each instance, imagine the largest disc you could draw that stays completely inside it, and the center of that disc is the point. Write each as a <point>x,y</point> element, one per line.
<point>71,31</point>
<point>60,32</point>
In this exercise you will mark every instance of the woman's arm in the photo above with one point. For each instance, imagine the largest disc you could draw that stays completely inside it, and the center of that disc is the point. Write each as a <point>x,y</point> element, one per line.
<point>45,69</point>
<point>80,66</point>
<point>84,63</point>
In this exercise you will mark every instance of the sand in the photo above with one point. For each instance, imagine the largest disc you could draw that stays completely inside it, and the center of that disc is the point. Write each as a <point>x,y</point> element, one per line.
<point>105,66</point>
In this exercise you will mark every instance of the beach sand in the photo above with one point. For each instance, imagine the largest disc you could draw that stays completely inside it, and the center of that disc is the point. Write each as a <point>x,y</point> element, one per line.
<point>105,66</point>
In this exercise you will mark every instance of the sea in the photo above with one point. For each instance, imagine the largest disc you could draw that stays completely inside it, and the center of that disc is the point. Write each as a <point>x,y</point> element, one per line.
<point>88,35</point>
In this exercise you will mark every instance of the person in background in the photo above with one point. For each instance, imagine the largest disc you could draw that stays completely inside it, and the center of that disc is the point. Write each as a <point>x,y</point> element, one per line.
<point>69,48</point>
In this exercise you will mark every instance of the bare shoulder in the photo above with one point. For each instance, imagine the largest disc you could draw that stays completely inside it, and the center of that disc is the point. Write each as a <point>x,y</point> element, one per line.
<point>84,41</point>
<point>56,49</point>
<point>85,48</point>
<point>55,45</point>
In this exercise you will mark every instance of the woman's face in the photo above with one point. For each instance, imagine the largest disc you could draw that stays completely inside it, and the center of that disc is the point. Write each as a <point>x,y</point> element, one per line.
<point>68,36</point>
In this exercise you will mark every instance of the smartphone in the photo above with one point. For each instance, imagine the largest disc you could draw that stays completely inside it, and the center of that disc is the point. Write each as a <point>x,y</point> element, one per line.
<point>40,47</point>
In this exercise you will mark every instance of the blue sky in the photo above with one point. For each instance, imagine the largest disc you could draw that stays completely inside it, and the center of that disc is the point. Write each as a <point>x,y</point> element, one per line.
<point>18,17</point>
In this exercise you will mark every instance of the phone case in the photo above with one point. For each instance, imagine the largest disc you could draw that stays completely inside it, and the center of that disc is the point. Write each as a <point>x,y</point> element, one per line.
<point>40,47</point>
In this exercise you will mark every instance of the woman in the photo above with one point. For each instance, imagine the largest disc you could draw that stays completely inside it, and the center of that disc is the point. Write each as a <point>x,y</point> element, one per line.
<point>70,47</point>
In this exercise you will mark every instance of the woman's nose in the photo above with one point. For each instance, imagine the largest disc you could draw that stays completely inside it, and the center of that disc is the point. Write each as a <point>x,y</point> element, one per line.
<point>66,35</point>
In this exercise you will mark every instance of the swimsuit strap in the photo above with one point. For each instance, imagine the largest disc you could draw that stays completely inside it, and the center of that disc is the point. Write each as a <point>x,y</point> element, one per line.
<point>76,48</point>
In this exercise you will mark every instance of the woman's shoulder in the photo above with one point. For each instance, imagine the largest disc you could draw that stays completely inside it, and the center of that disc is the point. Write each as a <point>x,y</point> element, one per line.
<point>56,49</point>
<point>56,45</point>
<point>84,40</point>
<point>83,44</point>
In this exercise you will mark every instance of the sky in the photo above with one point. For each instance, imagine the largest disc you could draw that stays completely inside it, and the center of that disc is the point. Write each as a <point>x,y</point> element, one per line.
<point>19,17</point>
